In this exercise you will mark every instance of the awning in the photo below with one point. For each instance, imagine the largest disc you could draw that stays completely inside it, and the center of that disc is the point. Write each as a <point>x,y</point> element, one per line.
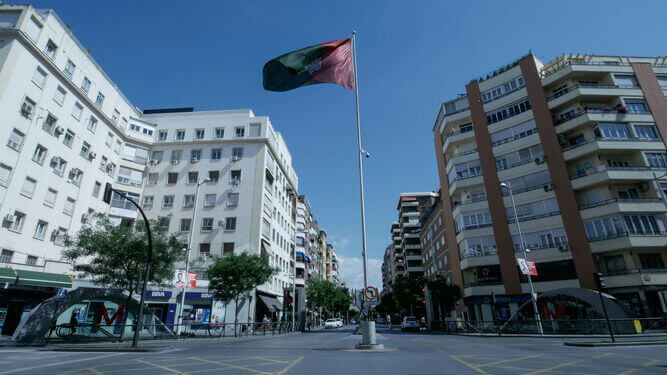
<point>35,278</point>
<point>271,303</point>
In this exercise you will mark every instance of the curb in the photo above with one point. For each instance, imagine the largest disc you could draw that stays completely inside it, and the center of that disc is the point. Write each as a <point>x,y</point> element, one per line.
<point>110,348</point>
<point>609,343</point>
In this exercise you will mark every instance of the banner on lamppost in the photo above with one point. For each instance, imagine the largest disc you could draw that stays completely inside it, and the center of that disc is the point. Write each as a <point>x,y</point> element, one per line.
<point>527,267</point>
<point>180,279</point>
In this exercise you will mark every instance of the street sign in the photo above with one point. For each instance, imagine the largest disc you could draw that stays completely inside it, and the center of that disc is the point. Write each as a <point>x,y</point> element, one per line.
<point>371,294</point>
<point>62,293</point>
<point>527,267</point>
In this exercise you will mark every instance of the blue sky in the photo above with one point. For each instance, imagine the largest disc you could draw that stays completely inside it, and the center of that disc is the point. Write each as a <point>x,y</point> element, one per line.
<point>411,55</point>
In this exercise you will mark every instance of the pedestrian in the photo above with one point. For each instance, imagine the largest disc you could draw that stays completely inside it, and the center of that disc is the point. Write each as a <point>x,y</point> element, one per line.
<point>422,323</point>
<point>388,321</point>
<point>266,322</point>
<point>250,328</point>
<point>308,323</point>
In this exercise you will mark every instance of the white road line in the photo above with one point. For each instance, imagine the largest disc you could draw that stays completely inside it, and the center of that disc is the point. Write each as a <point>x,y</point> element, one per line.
<point>60,363</point>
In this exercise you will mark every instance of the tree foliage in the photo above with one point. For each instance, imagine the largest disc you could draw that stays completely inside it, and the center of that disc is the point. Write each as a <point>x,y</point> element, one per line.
<point>234,275</point>
<point>115,255</point>
<point>443,295</point>
<point>408,294</point>
<point>325,294</point>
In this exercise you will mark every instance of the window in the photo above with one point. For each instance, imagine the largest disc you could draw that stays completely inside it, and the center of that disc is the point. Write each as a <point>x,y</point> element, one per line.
<point>167,201</point>
<point>615,264</point>
<point>646,132</point>
<point>59,236</point>
<point>39,155</point>
<point>28,187</point>
<point>626,81</point>
<point>204,249</point>
<point>193,177</point>
<point>219,133</point>
<point>188,200</point>
<point>135,128</point>
<point>69,206</point>
<point>228,248</point>
<point>216,153</point>
<point>146,130</point>
<point>39,78</point>
<point>31,260</point>
<point>58,165</point>
<point>96,189</point>
<point>77,110</point>
<point>19,219</point>
<point>209,200</point>
<point>75,176</point>
<point>236,176</point>
<point>27,108</point>
<point>148,202</point>
<point>59,96</point>
<point>636,106</point>
<point>657,160</point>
<point>129,176</point>
<point>180,135</point>
<point>232,199</point>
<point>69,138</point>
<point>230,223</point>
<point>185,225</point>
<point>103,163</point>
<point>613,131</point>
<point>50,49</point>
<point>92,124</point>
<point>162,135</point>
<point>115,115</point>
<point>465,170</point>
<point>6,256</point>
<point>214,176</point>
<point>207,224</point>
<point>50,198</point>
<point>5,171</point>
<point>176,156</point>
<point>507,112</point>
<point>85,86</point>
<point>15,139</point>
<point>111,169</point>
<point>136,154</point>
<point>195,155</point>
<point>651,261</point>
<point>99,101</point>
<point>152,179</point>
<point>172,178</point>
<point>116,148</point>
<point>69,68</point>
<point>156,157</point>
<point>109,139</point>
<point>40,230</point>
<point>199,133</point>
<point>85,149</point>
<point>237,152</point>
<point>239,133</point>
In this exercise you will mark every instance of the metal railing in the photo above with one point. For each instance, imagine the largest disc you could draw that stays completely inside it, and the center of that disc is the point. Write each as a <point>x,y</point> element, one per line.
<point>112,332</point>
<point>626,234</point>
<point>620,200</point>
<point>609,139</point>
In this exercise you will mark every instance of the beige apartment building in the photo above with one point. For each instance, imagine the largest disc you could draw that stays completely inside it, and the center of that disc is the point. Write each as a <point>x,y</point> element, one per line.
<point>581,142</point>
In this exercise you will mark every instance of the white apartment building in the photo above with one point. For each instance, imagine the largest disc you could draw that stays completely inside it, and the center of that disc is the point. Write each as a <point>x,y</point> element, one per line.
<point>68,130</point>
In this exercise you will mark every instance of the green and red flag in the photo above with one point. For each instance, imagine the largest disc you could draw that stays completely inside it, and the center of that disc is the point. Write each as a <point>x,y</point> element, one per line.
<point>329,62</point>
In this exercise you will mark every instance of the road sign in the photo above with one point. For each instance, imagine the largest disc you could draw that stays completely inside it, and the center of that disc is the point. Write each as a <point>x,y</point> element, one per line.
<point>371,294</point>
<point>527,267</point>
<point>62,293</point>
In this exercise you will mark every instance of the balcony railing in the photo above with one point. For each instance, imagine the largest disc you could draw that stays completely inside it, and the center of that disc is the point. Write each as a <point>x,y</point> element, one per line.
<point>588,86</point>
<point>591,171</point>
<point>620,200</point>
<point>608,139</point>
<point>472,200</point>
<point>543,246</point>
<point>472,226</point>
<point>510,219</point>
<point>472,253</point>
<point>626,234</point>
<point>449,159</point>
<point>632,271</point>
<point>452,133</point>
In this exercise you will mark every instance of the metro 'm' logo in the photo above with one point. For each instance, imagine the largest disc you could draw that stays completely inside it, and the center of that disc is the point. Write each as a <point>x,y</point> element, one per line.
<point>560,311</point>
<point>117,316</point>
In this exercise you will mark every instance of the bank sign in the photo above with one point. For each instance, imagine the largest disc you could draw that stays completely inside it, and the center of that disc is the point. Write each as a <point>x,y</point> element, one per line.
<point>158,294</point>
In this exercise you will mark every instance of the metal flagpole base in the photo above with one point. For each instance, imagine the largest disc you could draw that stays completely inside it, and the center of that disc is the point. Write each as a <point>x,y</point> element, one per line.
<point>368,338</point>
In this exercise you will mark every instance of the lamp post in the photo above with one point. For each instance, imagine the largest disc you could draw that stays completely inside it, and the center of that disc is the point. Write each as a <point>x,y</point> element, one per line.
<point>533,296</point>
<point>189,251</point>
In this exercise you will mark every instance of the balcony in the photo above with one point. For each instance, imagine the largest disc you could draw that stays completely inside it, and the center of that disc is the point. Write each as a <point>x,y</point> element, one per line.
<point>625,240</point>
<point>472,226</point>
<point>411,224</point>
<point>414,256</point>
<point>457,137</point>
<point>453,157</point>
<point>593,176</point>
<point>591,91</point>
<point>464,182</point>
<point>599,115</point>
<point>483,288</point>
<point>412,246</point>
<point>616,205</point>
<point>478,257</point>
<point>603,144</point>
<point>411,235</point>
<point>623,278</point>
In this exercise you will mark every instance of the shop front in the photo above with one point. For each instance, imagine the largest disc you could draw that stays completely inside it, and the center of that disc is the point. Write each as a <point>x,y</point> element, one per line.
<point>158,303</point>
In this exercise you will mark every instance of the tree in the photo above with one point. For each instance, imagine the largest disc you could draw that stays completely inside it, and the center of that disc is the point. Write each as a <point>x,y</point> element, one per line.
<point>234,275</point>
<point>325,294</point>
<point>341,300</point>
<point>387,305</point>
<point>408,294</point>
<point>116,255</point>
<point>443,295</point>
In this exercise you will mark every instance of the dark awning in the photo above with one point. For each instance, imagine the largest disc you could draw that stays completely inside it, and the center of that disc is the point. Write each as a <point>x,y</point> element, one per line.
<point>271,303</point>
<point>35,278</point>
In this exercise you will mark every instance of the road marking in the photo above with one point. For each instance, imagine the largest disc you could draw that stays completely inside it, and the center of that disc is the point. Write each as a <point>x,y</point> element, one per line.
<point>289,367</point>
<point>631,370</point>
<point>231,366</point>
<point>509,360</point>
<point>567,364</point>
<point>160,366</point>
<point>469,365</point>
<point>95,371</point>
<point>61,363</point>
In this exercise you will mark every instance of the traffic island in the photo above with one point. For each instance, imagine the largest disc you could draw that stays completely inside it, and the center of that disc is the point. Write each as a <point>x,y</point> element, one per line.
<point>368,338</point>
<point>110,348</point>
<point>589,344</point>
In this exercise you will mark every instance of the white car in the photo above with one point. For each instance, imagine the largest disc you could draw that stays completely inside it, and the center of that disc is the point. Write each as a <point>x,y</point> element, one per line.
<point>331,323</point>
<point>340,322</point>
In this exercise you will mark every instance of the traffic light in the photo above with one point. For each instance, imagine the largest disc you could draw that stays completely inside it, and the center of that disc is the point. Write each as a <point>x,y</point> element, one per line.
<point>599,281</point>
<point>108,192</point>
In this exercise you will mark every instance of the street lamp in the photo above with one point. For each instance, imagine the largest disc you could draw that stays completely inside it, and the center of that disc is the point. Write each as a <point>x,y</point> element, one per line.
<point>189,250</point>
<point>533,296</point>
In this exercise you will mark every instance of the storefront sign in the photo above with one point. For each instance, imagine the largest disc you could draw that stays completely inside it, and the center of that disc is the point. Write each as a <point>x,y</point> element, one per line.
<point>197,295</point>
<point>158,293</point>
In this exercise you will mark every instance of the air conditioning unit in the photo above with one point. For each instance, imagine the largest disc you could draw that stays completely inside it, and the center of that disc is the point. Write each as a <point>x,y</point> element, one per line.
<point>84,217</point>
<point>194,160</point>
<point>562,248</point>
<point>154,162</point>
<point>26,110</point>
<point>643,186</point>
<point>60,129</point>
<point>221,223</point>
<point>539,160</point>
<point>548,187</point>
<point>10,218</point>
<point>562,139</point>
<point>235,158</point>
<point>91,155</point>
<point>109,167</point>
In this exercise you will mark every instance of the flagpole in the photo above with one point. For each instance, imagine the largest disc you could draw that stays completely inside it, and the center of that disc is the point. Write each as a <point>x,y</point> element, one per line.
<point>361,169</point>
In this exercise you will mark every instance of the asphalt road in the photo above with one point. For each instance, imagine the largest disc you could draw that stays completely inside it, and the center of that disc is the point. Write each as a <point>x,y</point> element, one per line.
<point>332,352</point>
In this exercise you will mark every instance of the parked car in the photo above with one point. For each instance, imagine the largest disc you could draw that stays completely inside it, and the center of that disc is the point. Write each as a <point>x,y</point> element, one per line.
<point>354,321</point>
<point>340,322</point>
<point>410,323</point>
<point>331,323</point>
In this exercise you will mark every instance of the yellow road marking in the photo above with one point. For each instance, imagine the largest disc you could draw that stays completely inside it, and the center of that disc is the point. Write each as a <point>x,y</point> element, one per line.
<point>469,365</point>
<point>232,366</point>
<point>567,364</point>
<point>160,367</point>
<point>509,360</point>
<point>289,367</point>
<point>95,371</point>
<point>631,370</point>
